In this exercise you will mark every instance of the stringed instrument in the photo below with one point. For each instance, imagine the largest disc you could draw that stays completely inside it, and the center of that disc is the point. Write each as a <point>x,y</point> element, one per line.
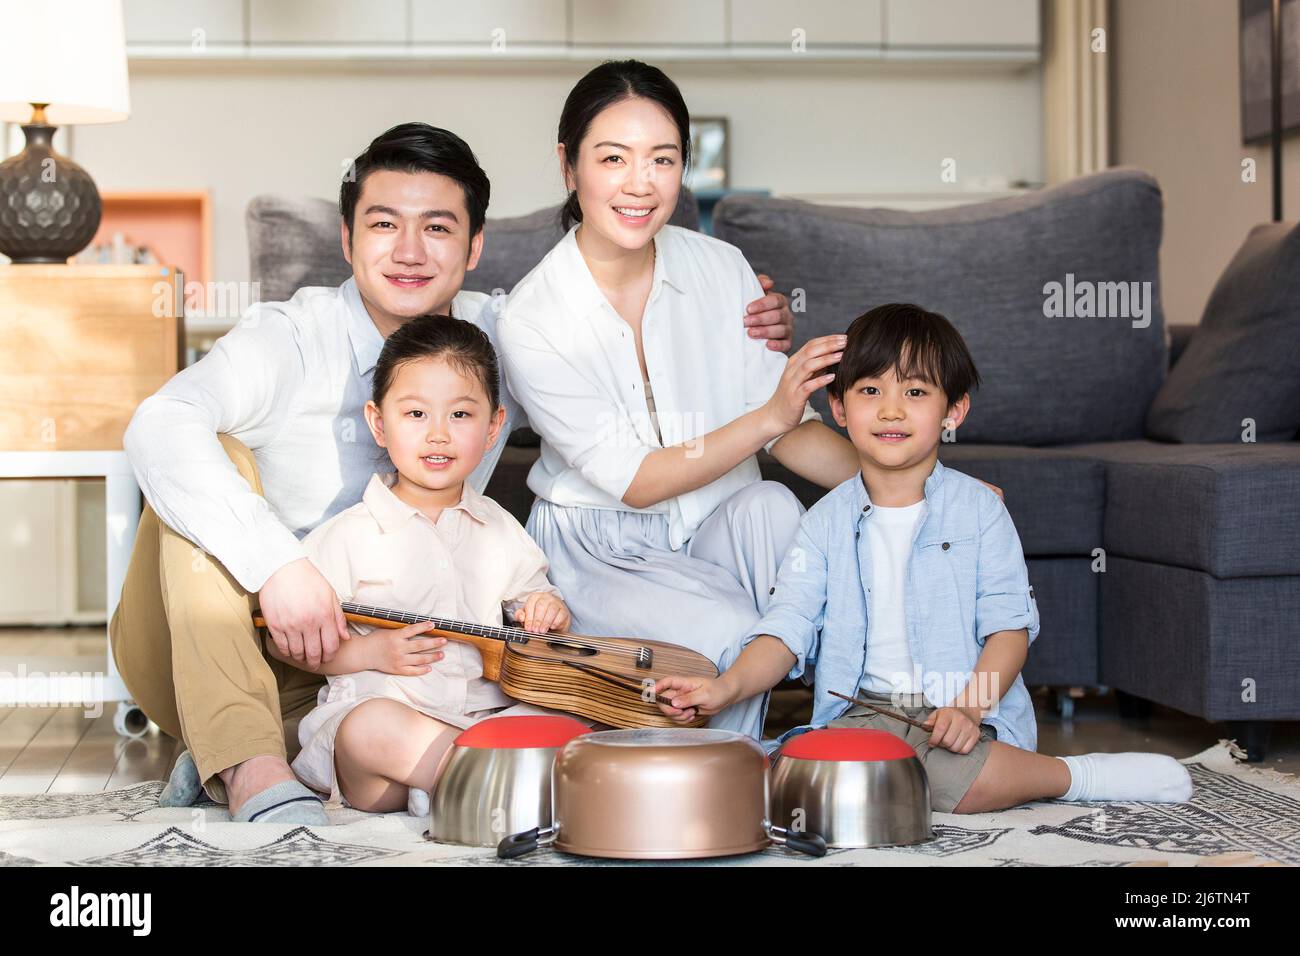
<point>608,679</point>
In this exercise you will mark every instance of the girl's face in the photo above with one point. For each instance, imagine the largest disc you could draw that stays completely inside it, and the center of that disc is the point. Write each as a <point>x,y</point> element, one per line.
<point>436,423</point>
<point>627,172</point>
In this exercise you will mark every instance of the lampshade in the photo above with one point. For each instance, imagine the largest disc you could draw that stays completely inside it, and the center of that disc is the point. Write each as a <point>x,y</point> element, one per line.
<point>70,54</point>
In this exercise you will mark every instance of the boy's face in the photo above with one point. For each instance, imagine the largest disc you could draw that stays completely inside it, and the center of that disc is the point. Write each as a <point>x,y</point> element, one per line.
<point>410,245</point>
<point>435,422</point>
<point>896,423</point>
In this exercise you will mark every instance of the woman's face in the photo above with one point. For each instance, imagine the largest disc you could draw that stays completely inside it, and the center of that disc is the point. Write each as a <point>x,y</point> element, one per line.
<point>627,172</point>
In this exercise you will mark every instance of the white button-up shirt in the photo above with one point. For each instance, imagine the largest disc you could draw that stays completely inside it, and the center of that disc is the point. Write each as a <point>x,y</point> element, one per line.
<point>290,381</point>
<point>572,365</point>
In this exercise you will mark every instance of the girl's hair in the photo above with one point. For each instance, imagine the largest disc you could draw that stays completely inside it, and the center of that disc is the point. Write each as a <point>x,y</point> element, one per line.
<point>612,82</point>
<point>461,343</point>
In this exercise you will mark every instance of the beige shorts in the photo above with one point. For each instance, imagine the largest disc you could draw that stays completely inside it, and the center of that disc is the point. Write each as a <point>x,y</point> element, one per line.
<point>950,774</point>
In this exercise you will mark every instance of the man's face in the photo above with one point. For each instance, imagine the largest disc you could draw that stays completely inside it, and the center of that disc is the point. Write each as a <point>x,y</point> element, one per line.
<point>410,245</point>
<point>896,423</point>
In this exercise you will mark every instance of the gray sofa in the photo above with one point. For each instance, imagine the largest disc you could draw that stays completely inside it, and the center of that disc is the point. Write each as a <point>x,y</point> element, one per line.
<point>1165,570</point>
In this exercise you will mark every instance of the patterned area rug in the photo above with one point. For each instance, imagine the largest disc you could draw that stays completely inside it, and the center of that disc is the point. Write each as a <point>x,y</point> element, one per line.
<point>1238,814</point>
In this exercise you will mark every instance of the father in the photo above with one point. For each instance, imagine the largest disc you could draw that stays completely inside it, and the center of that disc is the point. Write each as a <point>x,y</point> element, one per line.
<point>244,452</point>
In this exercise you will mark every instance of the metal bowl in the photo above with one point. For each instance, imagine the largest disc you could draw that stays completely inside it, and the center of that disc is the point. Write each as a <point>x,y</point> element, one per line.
<point>854,787</point>
<point>497,779</point>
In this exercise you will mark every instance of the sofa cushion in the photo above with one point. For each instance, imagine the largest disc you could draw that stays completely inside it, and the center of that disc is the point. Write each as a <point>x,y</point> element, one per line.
<point>1229,510</point>
<point>1241,362</point>
<point>987,267</point>
<point>293,241</point>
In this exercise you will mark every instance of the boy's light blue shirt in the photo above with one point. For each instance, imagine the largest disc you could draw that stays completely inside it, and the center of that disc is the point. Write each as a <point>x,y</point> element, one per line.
<point>966,579</point>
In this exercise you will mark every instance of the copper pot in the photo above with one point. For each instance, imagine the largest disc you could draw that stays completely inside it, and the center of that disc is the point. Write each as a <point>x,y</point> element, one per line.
<point>659,794</point>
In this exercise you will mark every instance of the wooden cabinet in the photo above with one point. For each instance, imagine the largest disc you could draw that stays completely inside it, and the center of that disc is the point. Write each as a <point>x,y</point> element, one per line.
<point>961,23</point>
<point>834,22</point>
<point>80,348</point>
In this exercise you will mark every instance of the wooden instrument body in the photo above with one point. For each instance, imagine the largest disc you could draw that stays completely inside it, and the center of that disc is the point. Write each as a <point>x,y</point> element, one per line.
<point>547,670</point>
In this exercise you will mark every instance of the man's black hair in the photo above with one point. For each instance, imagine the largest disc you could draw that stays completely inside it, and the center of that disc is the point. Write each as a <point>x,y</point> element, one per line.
<point>419,148</point>
<point>915,342</point>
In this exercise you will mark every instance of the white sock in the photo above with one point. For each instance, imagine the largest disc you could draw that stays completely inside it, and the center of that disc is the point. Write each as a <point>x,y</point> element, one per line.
<point>1154,778</point>
<point>417,802</point>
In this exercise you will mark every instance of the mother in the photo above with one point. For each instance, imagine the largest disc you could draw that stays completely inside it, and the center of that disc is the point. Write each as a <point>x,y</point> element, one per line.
<point>623,348</point>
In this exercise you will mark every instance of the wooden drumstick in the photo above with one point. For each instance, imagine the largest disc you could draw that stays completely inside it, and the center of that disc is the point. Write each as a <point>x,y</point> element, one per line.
<point>882,710</point>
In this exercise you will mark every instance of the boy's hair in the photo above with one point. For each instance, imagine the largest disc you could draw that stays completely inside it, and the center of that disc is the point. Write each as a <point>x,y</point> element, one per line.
<point>461,343</point>
<point>915,342</point>
<point>419,148</point>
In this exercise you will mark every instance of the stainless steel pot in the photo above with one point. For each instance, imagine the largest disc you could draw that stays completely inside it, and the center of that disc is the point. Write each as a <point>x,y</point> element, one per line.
<point>497,779</point>
<point>854,787</point>
<point>660,794</point>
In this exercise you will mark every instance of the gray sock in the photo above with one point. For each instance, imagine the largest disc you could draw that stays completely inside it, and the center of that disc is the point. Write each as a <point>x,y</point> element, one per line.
<point>285,802</point>
<point>184,786</point>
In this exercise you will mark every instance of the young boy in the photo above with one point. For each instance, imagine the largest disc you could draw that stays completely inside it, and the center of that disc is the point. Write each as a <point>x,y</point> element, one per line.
<point>907,585</point>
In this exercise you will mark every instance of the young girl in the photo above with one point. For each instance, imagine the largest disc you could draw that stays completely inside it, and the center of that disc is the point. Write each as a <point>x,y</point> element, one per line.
<point>423,541</point>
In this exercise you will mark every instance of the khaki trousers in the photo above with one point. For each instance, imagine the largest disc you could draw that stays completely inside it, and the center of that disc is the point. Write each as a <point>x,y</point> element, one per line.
<point>185,645</point>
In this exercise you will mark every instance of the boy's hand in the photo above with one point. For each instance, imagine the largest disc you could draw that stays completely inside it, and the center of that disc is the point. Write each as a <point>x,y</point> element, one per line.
<point>692,695</point>
<point>404,651</point>
<point>542,612</point>
<point>953,730</point>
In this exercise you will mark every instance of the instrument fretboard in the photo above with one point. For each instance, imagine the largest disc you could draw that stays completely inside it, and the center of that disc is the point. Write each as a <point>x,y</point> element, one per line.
<point>512,635</point>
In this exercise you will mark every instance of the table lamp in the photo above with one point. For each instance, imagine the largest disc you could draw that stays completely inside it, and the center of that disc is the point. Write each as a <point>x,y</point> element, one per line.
<point>62,63</point>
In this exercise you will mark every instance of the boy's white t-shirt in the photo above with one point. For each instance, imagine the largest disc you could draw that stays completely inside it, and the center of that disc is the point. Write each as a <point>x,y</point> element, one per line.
<point>889,660</point>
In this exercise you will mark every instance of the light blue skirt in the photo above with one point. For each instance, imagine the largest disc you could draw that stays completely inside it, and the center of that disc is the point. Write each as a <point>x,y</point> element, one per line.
<point>620,578</point>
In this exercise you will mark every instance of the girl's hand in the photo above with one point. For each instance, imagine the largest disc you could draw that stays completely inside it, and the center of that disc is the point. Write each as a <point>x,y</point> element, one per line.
<point>953,730</point>
<point>403,652</point>
<point>542,612</point>
<point>805,372</point>
<point>692,695</point>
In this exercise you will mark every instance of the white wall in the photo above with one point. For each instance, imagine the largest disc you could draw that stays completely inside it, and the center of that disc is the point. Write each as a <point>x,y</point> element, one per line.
<point>241,129</point>
<point>1177,114</point>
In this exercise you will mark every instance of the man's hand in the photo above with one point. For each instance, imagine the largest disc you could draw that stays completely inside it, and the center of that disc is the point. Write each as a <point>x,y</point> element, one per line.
<point>404,651</point>
<point>302,613</point>
<point>770,317</point>
<point>953,730</point>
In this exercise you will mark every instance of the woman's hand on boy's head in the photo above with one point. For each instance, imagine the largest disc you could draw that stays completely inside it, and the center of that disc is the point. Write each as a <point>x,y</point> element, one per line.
<point>770,317</point>
<point>953,730</point>
<point>543,612</point>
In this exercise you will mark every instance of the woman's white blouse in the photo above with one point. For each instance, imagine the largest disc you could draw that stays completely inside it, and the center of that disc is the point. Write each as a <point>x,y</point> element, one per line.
<point>571,362</point>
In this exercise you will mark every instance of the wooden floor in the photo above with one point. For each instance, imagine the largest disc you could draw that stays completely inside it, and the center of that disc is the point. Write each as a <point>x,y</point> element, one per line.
<point>73,750</point>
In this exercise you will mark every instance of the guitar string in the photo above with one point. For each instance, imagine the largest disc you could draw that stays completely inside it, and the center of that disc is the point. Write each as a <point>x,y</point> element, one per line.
<point>485,630</point>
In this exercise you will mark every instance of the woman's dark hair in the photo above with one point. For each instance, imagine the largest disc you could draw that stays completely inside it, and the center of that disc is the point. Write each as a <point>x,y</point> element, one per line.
<point>461,343</point>
<point>612,82</point>
<point>906,337</point>
<point>419,148</point>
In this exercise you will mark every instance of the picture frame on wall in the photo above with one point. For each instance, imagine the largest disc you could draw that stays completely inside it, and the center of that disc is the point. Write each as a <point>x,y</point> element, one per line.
<point>710,155</point>
<point>1256,68</point>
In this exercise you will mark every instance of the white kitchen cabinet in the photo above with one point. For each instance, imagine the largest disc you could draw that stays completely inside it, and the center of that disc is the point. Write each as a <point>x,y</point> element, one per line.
<point>175,21</point>
<point>961,23</point>
<point>838,22</point>
<point>522,21</point>
<point>327,21</point>
<point>662,22</point>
